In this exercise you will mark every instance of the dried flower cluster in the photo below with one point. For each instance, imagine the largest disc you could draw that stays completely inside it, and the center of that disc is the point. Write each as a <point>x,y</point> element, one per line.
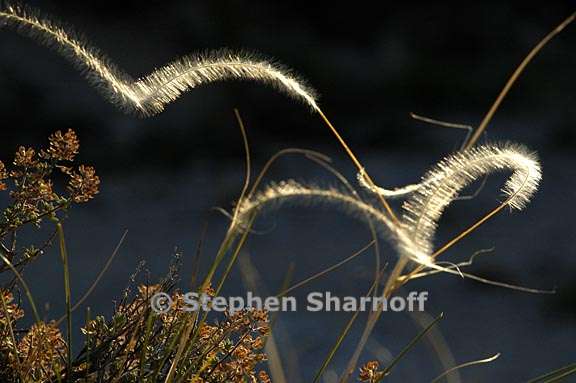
<point>37,355</point>
<point>62,147</point>
<point>42,353</point>
<point>31,191</point>
<point>10,312</point>
<point>138,343</point>
<point>234,358</point>
<point>83,184</point>
<point>369,372</point>
<point>3,176</point>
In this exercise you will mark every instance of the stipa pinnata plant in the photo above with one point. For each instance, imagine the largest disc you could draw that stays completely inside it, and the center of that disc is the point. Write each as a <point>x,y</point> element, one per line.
<point>150,94</point>
<point>421,212</point>
<point>442,184</point>
<point>292,192</point>
<point>413,237</point>
<point>122,351</point>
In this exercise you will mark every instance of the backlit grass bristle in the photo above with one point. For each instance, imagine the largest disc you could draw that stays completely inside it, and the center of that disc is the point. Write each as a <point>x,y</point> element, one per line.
<point>150,94</point>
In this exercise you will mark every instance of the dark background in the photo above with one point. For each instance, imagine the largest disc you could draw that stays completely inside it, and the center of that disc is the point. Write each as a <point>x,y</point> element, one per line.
<point>373,64</point>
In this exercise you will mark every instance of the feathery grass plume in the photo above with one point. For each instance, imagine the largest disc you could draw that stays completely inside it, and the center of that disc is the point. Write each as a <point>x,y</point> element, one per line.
<point>149,95</point>
<point>387,193</point>
<point>441,185</point>
<point>278,194</point>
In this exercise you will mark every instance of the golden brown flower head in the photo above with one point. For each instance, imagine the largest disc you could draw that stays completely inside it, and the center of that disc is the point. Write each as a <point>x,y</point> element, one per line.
<point>13,312</point>
<point>45,190</point>
<point>146,291</point>
<point>25,157</point>
<point>84,184</point>
<point>208,290</point>
<point>42,350</point>
<point>369,372</point>
<point>63,147</point>
<point>3,176</point>
<point>264,378</point>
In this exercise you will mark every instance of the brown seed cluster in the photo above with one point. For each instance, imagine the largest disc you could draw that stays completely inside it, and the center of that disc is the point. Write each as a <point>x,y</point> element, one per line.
<point>35,356</point>
<point>13,312</point>
<point>62,147</point>
<point>42,352</point>
<point>3,176</point>
<point>84,184</point>
<point>369,372</point>
<point>30,181</point>
<point>235,358</point>
<point>9,313</point>
<point>229,350</point>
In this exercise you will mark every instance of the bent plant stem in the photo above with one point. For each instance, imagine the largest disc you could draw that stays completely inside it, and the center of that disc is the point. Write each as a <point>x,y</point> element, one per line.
<point>463,365</point>
<point>515,75</point>
<point>470,229</point>
<point>438,343</point>
<point>358,165</point>
<point>308,153</point>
